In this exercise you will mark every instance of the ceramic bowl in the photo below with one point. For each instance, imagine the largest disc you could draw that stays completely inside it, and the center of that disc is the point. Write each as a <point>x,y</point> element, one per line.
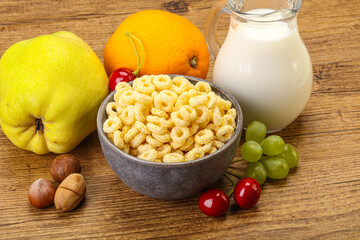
<point>170,181</point>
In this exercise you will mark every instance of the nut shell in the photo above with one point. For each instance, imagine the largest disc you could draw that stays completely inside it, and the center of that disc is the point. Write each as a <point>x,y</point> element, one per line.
<point>70,192</point>
<point>64,165</point>
<point>41,193</point>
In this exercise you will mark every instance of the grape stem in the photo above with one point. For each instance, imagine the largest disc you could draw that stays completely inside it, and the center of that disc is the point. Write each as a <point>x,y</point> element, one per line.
<point>131,36</point>
<point>234,174</point>
<point>232,182</point>
<point>237,160</point>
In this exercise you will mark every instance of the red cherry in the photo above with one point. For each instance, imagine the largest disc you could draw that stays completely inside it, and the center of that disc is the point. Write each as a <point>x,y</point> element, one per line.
<point>120,75</point>
<point>247,193</point>
<point>214,202</point>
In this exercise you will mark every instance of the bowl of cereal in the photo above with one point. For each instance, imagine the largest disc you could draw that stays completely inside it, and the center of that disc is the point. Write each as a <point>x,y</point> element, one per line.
<point>169,136</point>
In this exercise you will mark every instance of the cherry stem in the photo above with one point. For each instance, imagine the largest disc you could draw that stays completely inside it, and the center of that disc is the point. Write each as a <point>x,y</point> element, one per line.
<point>237,160</point>
<point>232,182</point>
<point>136,72</point>
<point>234,174</point>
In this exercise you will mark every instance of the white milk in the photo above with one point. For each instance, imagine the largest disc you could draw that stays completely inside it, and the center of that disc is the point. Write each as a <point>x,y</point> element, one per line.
<point>267,68</point>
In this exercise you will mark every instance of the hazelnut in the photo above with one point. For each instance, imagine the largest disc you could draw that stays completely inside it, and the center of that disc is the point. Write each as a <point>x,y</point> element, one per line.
<point>63,166</point>
<point>70,192</point>
<point>41,193</point>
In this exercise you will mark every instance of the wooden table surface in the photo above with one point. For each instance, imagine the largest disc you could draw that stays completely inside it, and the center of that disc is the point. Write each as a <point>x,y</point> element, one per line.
<point>318,200</point>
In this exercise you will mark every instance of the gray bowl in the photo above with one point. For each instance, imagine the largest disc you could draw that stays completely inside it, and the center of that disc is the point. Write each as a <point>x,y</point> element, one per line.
<point>170,181</point>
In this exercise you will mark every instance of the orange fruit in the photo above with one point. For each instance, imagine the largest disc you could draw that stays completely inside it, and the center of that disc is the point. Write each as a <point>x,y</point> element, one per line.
<point>173,45</point>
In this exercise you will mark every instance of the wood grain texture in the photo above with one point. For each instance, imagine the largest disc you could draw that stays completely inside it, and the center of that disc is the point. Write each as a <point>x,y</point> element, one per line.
<point>319,199</point>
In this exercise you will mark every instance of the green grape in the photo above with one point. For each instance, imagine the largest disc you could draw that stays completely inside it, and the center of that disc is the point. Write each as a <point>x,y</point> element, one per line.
<point>255,131</point>
<point>257,171</point>
<point>290,155</point>
<point>276,167</point>
<point>251,151</point>
<point>273,145</point>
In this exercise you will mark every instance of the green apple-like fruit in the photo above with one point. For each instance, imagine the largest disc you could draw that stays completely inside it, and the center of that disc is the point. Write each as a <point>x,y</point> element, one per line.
<point>51,87</point>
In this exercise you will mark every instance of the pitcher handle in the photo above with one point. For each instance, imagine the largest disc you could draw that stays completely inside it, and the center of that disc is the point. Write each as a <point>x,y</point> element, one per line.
<point>210,27</point>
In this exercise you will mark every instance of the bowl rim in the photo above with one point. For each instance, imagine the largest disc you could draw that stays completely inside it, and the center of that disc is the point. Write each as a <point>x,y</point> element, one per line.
<point>238,129</point>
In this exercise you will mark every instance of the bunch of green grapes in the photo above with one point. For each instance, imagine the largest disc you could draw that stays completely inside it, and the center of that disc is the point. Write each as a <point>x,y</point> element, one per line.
<point>267,157</point>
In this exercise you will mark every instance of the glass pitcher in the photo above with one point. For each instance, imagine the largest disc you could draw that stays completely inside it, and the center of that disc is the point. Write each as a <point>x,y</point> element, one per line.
<point>263,61</point>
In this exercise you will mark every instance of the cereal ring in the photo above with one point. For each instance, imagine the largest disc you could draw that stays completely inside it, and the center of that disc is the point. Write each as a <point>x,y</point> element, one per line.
<point>128,97</point>
<point>142,127</point>
<point>133,151</point>
<point>126,148</point>
<point>150,155</point>
<point>202,114</point>
<point>225,133</point>
<point>213,127</point>
<point>227,119</point>
<point>156,128</point>
<point>130,134</point>
<point>203,87</point>
<point>122,85</point>
<point>111,109</point>
<point>158,120</point>
<point>128,115</point>
<point>216,116</point>
<point>188,145</point>
<point>211,100</point>
<point>193,127</point>
<point>178,152</point>
<point>144,85</point>
<point>151,140</point>
<point>173,158</point>
<point>193,154</point>
<point>180,134</point>
<point>204,136</point>
<point>188,112</point>
<point>176,145</point>
<point>180,85</point>
<point>197,100</point>
<point>143,98</point>
<point>145,146</point>
<point>141,111</point>
<point>164,102</point>
<point>163,150</point>
<point>223,104</point>
<point>159,113</point>
<point>204,147</point>
<point>164,138</point>
<point>154,94</point>
<point>218,144</point>
<point>178,119</point>
<point>119,139</point>
<point>137,140</point>
<point>232,112</point>
<point>112,124</point>
<point>212,150</point>
<point>110,136</point>
<point>162,82</point>
<point>126,129</point>
<point>184,98</point>
<point>171,94</point>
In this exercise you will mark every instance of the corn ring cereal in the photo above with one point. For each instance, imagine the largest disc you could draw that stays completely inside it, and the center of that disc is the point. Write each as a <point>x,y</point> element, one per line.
<point>193,127</point>
<point>127,116</point>
<point>111,109</point>
<point>198,100</point>
<point>180,134</point>
<point>204,147</point>
<point>202,114</point>
<point>150,155</point>
<point>227,119</point>
<point>159,113</point>
<point>193,154</point>
<point>151,140</point>
<point>144,85</point>
<point>204,136</point>
<point>180,85</point>
<point>156,128</point>
<point>232,112</point>
<point>211,100</point>
<point>163,150</point>
<point>203,87</point>
<point>130,134</point>
<point>119,139</point>
<point>216,116</point>
<point>145,146</point>
<point>162,82</point>
<point>212,150</point>
<point>141,111</point>
<point>137,140</point>
<point>179,120</point>
<point>218,144</point>
<point>173,158</point>
<point>164,102</point>
<point>142,127</point>
<point>164,138</point>
<point>112,124</point>
<point>225,133</point>
<point>188,145</point>
<point>188,112</point>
